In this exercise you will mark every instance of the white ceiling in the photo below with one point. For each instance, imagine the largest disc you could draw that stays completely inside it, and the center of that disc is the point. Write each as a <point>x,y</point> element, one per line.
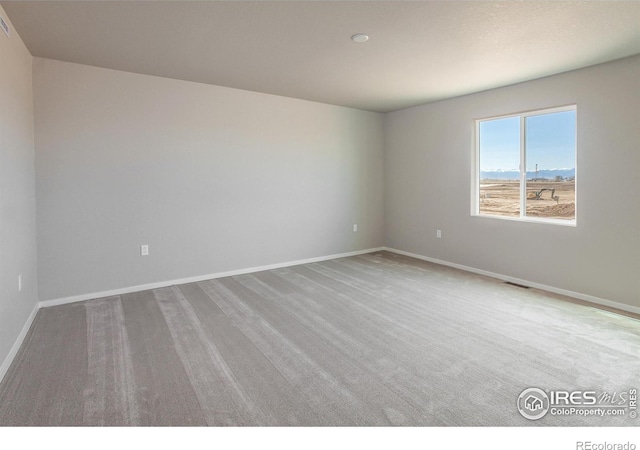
<point>418,51</point>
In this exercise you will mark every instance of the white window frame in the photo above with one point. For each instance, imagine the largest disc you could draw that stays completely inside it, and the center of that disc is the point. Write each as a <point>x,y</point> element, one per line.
<point>475,176</point>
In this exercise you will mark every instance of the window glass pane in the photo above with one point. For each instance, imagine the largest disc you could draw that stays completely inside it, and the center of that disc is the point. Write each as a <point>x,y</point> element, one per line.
<point>499,146</point>
<point>550,146</point>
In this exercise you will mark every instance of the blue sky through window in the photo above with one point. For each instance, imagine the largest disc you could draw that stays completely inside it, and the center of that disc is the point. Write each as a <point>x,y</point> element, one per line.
<point>550,142</point>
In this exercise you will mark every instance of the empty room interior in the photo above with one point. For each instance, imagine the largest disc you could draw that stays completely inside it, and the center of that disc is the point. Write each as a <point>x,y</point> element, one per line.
<point>315,213</point>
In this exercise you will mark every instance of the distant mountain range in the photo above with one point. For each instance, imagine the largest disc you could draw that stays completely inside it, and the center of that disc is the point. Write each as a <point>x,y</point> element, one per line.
<point>550,174</point>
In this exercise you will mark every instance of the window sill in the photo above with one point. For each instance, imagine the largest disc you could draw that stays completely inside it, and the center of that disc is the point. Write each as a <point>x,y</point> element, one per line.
<point>560,222</point>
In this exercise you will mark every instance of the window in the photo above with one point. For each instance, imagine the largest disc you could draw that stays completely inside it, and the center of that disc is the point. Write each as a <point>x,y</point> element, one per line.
<point>525,166</point>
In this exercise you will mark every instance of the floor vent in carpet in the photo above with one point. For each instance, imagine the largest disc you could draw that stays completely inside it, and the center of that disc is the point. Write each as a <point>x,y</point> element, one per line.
<point>516,285</point>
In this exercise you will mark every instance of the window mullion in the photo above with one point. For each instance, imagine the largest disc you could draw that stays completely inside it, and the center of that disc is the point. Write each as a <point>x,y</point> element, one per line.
<point>523,168</point>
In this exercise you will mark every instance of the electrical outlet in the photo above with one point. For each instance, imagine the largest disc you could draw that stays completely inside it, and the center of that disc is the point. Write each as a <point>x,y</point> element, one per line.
<point>438,234</point>
<point>144,250</point>
<point>355,227</point>
<point>19,282</point>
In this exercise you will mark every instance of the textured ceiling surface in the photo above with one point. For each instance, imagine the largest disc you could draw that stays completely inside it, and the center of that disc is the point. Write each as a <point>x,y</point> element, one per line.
<point>417,52</point>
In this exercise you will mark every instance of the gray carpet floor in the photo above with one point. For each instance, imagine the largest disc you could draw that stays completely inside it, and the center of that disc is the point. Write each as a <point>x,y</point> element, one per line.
<point>377,339</point>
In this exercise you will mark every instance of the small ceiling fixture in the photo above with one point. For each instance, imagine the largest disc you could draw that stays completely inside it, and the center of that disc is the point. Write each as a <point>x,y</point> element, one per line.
<point>359,38</point>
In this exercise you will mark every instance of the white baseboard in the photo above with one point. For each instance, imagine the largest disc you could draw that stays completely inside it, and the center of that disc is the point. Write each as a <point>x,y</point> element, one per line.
<point>544,287</point>
<point>4,368</point>
<point>143,287</point>
<point>161,284</point>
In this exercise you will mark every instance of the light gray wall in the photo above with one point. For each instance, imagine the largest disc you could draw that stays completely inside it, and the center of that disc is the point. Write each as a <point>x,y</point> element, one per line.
<point>213,179</point>
<point>17,190</point>
<point>427,185</point>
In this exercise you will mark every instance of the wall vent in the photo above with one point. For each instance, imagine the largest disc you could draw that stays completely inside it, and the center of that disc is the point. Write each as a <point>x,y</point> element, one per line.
<point>5,27</point>
<point>516,285</point>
